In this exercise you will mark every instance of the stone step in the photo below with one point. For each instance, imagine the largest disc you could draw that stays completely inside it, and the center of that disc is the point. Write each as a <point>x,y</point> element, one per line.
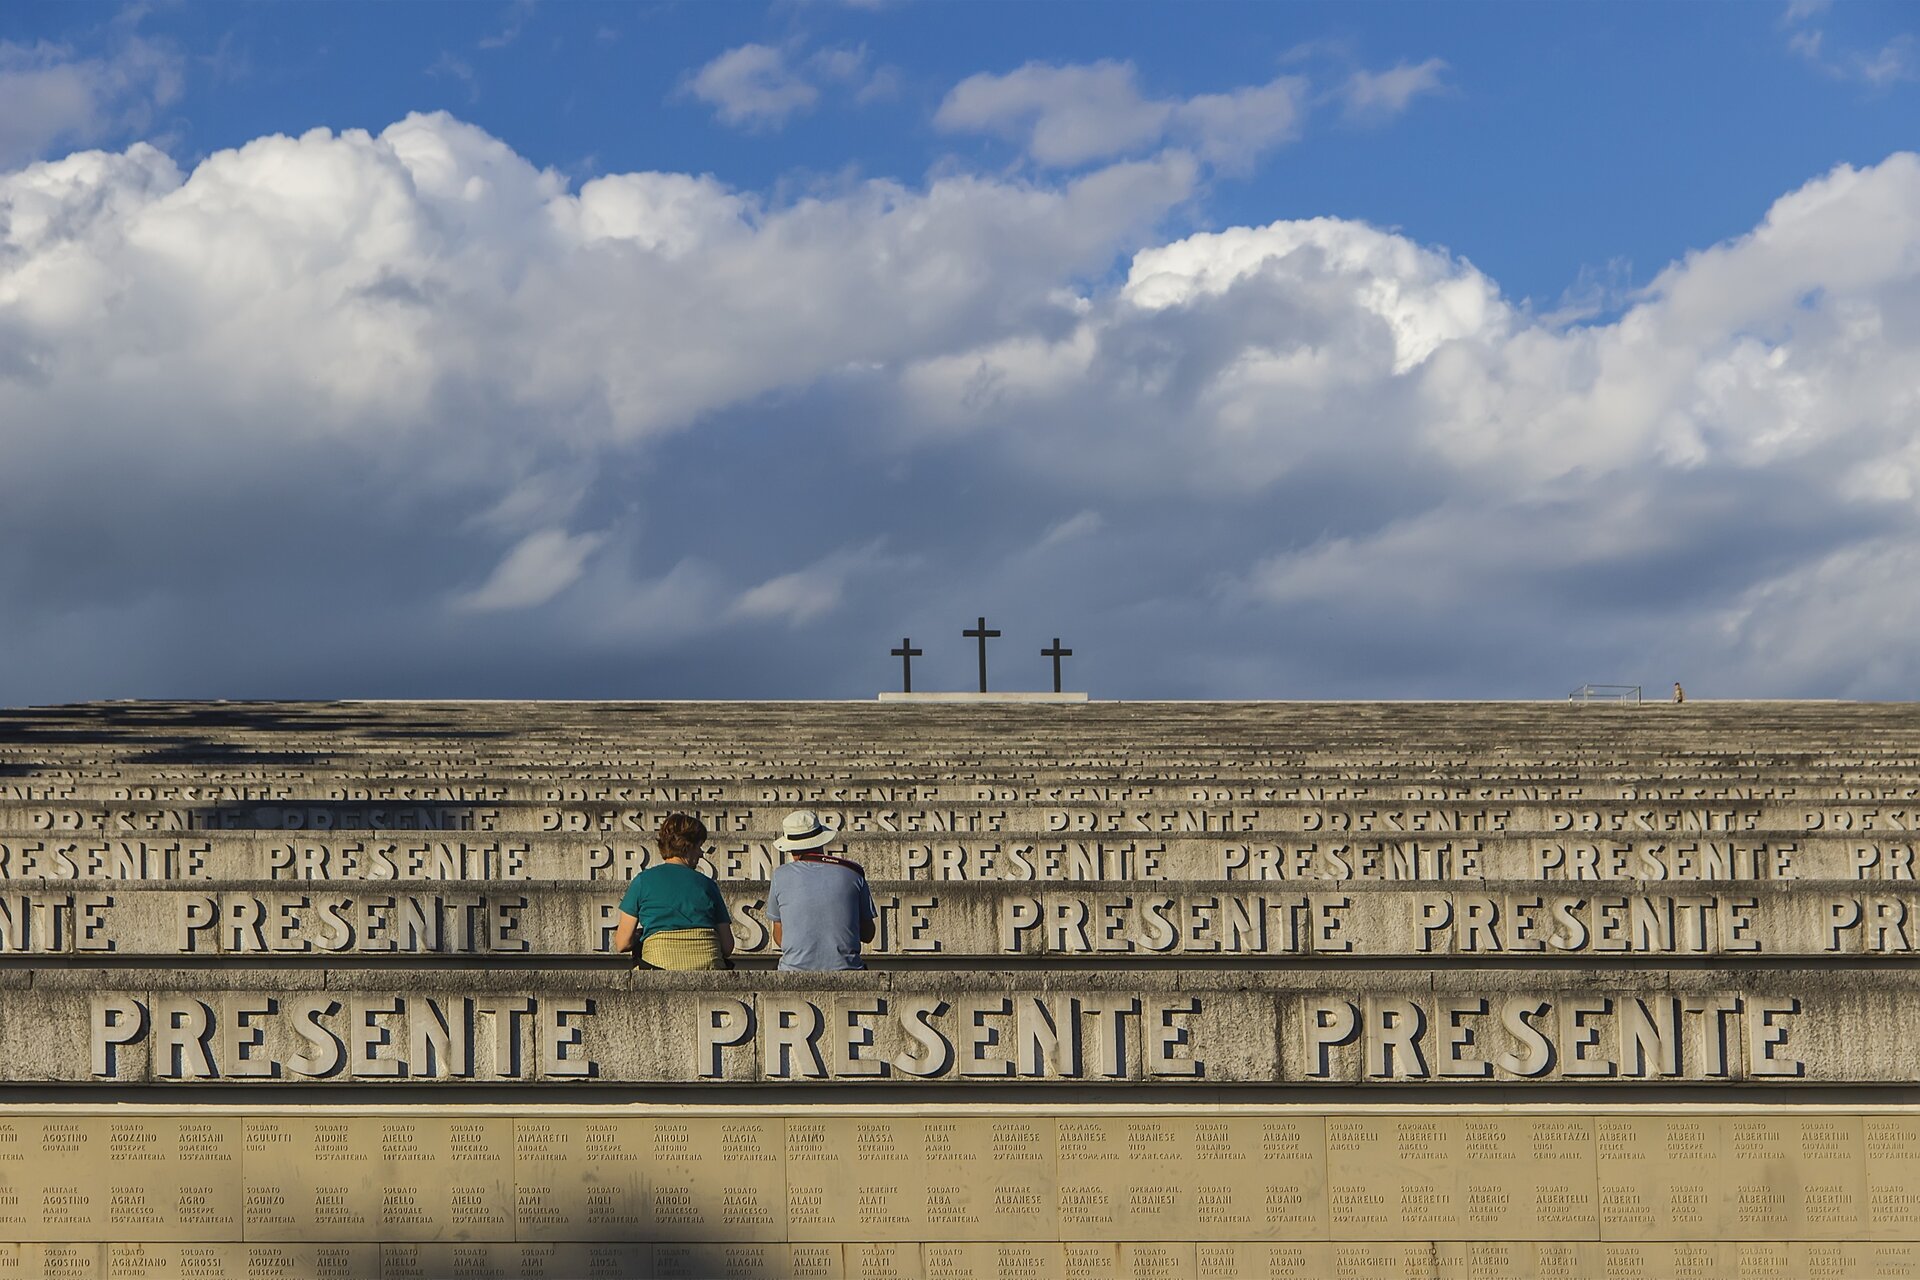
<point>1041,761</point>
<point>693,795</point>
<point>1818,747</point>
<point>1292,1027</point>
<point>1122,923</point>
<point>369,855</point>
<point>881,758</point>
<point>1399,818</point>
<point>502,783</point>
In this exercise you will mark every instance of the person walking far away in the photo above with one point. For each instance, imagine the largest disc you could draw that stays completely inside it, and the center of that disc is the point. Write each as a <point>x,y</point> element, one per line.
<point>680,916</point>
<point>1679,694</point>
<point>819,905</point>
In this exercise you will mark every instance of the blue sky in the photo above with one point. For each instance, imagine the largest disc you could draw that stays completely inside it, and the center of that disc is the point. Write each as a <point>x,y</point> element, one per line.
<point>706,349</point>
<point>1561,139</point>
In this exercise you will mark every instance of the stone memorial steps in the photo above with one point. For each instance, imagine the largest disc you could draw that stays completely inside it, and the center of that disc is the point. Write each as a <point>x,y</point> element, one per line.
<point>1475,991</point>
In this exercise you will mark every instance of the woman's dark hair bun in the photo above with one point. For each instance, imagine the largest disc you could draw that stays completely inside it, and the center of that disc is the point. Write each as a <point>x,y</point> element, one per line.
<point>682,836</point>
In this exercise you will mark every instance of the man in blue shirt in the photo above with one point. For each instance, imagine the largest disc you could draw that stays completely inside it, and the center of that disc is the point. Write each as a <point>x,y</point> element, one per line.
<point>819,905</point>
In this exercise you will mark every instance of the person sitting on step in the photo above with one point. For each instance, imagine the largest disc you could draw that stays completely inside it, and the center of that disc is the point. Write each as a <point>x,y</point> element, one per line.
<point>678,912</point>
<point>819,905</point>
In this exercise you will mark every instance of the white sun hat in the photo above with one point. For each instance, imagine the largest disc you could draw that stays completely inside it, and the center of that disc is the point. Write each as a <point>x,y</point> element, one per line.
<point>801,830</point>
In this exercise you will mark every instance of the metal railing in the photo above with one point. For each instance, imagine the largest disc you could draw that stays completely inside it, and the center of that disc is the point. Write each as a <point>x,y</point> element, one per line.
<point>1621,693</point>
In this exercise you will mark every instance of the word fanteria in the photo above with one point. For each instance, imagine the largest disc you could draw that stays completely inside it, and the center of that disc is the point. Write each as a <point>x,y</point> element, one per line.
<point>317,1036</point>
<point>1527,1036</point>
<point>1049,1037</point>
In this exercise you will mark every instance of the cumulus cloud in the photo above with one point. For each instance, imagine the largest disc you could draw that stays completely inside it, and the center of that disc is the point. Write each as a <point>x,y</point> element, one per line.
<point>1065,116</point>
<point>370,356</point>
<point>401,413</point>
<point>49,95</point>
<point>1411,446</point>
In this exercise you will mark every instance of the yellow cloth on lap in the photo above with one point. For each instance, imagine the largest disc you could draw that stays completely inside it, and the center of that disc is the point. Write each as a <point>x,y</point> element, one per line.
<point>681,949</point>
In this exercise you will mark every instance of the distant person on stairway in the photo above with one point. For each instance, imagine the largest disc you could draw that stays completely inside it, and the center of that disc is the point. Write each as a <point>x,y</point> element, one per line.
<point>1679,694</point>
<point>680,916</point>
<point>819,905</point>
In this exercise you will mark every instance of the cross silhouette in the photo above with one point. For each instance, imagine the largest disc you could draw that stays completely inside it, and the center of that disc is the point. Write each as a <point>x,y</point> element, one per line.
<point>1056,653</point>
<point>981,634</point>
<point>906,653</point>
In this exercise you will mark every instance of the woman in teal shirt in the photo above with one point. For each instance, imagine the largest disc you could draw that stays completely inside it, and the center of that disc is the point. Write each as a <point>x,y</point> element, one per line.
<point>679,913</point>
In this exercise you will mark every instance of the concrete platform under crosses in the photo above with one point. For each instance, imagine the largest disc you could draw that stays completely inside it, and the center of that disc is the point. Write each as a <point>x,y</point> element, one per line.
<point>977,697</point>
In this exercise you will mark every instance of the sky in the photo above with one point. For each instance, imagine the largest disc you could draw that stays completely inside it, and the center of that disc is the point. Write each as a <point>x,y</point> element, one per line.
<point>689,350</point>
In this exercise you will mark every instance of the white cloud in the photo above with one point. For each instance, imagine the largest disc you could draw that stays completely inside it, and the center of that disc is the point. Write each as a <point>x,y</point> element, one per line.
<point>1062,115</point>
<point>1891,63</point>
<point>449,67</point>
<point>513,23</point>
<point>1378,95</point>
<point>1422,297</point>
<point>753,86</point>
<point>1588,493</point>
<point>839,64</point>
<point>376,354</point>
<point>51,96</point>
<point>373,276</point>
<point>804,595</point>
<point>540,567</point>
<point>333,382</point>
<point>1083,524</point>
<point>882,85</point>
<point>759,86</point>
<point>1065,116</point>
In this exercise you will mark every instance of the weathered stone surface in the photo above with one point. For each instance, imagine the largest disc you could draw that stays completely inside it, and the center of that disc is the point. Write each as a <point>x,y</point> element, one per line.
<point>965,1190</point>
<point>1110,908</point>
<point>349,856</point>
<point>560,784</point>
<point>1033,922</point>
<point>1384,820</point>
<point>1485,1027</point>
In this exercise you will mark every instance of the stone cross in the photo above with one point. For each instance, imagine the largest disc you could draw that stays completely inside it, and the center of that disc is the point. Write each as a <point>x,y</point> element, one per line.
<point>1056,653</point>
<point>906,653</point>
<point>981,634</point>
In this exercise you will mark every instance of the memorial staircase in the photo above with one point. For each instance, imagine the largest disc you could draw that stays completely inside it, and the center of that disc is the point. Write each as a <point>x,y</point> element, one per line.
<point>1162,990</point>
